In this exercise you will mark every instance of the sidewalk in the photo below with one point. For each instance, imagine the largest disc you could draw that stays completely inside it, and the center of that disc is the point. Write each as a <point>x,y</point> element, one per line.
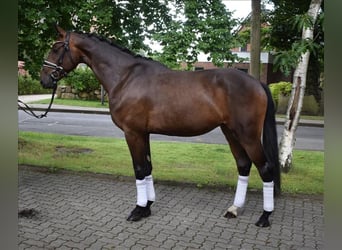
<point>89,110</point>
<point>84,211</point>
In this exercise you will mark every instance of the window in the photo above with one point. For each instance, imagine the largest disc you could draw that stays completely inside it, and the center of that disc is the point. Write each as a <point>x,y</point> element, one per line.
<point>244,70</point>
<point>244,48</point>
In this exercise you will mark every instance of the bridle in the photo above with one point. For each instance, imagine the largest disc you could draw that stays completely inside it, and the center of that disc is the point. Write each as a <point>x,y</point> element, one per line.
<point>57,73</point>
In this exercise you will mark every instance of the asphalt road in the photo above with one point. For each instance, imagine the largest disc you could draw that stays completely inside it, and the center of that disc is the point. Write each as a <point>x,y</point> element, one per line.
<point>308,138</point>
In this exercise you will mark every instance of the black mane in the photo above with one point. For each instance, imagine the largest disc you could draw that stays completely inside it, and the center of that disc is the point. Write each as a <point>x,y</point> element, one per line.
<point>114,44</point>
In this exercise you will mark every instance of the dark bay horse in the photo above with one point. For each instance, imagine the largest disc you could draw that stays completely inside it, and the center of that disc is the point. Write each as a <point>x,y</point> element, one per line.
<point>147,97</point>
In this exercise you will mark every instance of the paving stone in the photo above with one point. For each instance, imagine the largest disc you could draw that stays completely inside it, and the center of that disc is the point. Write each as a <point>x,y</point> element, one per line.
<point>89,212</point>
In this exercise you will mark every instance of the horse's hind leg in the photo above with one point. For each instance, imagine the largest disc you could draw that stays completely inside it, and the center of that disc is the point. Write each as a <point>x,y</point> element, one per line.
<point>246,149</point>
<point>255,150</point>
<point>139,147</point>
<point>243,165</point>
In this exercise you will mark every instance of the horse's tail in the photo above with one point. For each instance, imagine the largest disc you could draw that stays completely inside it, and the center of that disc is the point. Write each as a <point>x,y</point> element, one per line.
<point>270,140</point>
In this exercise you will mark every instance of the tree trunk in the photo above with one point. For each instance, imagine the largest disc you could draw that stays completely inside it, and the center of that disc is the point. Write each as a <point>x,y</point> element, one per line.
<point>255,39</point>
<point>294,108</point>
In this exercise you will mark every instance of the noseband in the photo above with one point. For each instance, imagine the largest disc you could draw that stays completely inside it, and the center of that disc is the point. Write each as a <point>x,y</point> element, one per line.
<point>58,71</point>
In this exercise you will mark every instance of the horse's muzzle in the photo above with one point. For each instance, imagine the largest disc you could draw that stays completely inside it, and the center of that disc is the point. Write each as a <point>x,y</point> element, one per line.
<point>51,84</point>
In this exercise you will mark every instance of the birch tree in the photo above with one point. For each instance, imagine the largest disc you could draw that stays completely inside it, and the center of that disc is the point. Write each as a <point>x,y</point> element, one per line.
<point>294,108</point>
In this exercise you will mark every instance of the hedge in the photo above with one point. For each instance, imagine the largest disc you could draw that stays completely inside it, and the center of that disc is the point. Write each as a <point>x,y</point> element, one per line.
<point>283,88</point>
<point>29,86</point>
<point>281,93</point>
<point>81,79</point>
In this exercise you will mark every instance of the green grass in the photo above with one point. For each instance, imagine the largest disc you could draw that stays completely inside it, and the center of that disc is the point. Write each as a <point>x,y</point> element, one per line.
<point>97,104</point>
<point>195,163</point>
<point>72,102</point>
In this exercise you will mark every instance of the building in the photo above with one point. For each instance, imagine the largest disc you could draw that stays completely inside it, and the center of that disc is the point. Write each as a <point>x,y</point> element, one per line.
<point>266,75</point>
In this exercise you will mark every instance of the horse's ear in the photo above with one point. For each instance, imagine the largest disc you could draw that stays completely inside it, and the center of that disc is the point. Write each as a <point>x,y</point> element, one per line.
<point>59,30</point>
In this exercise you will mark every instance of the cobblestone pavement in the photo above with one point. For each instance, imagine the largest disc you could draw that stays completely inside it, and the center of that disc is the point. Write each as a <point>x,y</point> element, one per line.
<point>82,211</point>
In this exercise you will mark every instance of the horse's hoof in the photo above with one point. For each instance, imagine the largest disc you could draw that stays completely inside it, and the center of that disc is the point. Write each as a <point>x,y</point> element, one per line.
<point>149,203</point>
<point>262,223</point>
<point>231,212</point>
<point>138,213</point>
<point>263,220</point>
<point>229,215</point>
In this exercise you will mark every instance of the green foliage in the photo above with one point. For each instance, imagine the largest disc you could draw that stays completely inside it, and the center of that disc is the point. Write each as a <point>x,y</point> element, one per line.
<point>128,22</point>
<point>207,27</point>
<point>28,86</point>
<point>287,60</point>
<point>243,33</point>
<point>287,22</point>
<point>302,21</point>
<point>283,33</point>
<point>278,88</point>
<point>36,19</point>
<point>198,26</point>
<point>81,79</point>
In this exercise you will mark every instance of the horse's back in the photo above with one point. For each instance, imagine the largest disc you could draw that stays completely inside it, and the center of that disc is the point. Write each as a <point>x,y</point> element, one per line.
<point>203,100</point>
<point>188,103</point>
<point>234,91</point>
<point>229,80</point>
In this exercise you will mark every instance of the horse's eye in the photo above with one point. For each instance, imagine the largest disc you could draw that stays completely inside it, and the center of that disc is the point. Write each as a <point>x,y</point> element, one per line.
<point>56,48</point>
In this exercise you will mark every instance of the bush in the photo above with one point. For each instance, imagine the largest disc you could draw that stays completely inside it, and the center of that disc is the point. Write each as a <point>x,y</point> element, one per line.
<point>281,92</point>
<point>278,88</point>
<point>29,86</point>
<point>310,106</point>
<point>82,80</point>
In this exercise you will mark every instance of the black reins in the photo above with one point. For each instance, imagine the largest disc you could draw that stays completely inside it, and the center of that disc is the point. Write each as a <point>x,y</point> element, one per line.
<point>28,110</point>
<point>57,73</point>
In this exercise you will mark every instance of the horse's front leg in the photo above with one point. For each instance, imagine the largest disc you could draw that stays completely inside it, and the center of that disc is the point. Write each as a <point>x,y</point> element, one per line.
<point>139,147</point>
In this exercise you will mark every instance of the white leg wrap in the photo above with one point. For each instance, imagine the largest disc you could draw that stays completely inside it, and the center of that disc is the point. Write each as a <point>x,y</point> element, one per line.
<point>241,190</point>
<point>141,192</point>
<point>268,196</point>
<point>151,196</point>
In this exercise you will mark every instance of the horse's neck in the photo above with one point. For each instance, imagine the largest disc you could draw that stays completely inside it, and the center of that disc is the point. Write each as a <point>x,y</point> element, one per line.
<point>107,62</point>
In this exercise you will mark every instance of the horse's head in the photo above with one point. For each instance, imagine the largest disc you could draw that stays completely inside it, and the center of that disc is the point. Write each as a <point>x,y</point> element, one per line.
<point>61,60</point>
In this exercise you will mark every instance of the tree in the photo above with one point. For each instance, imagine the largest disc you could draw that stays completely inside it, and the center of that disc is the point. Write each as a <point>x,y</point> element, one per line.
<point>205,26</point>
<point>198,26</point>
<point>116,19</point>
<point>243,33</point>
<point>255,39</point>
<point>35,19</point>
<point>285,38</point>
<point>298,89</point>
